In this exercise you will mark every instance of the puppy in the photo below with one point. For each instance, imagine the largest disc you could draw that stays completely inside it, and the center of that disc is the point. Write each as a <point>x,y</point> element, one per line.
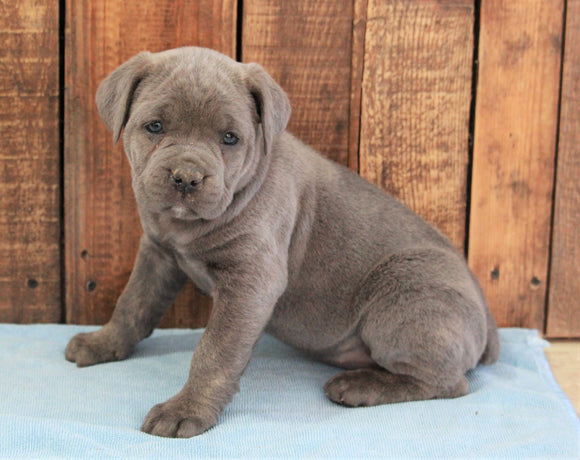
<point>284,240</point>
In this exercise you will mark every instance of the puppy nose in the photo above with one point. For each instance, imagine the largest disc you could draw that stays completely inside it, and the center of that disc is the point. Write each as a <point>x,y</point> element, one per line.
<point>186,180</point>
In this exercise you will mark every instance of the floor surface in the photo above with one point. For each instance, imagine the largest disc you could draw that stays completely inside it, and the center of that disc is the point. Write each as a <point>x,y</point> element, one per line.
<point>564,358</point>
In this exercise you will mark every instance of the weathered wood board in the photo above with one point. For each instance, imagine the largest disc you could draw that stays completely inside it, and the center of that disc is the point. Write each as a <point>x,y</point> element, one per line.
<point>306,47</point>
<point>514,150</point>
<point>415,106</point>
<point>30,256</point>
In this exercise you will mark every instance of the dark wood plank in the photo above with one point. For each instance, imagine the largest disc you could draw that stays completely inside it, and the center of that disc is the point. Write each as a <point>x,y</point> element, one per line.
<point>29,163</point>
<point>514,147</point>
<point>356,76</point>
<point>102,227</point>
<point>415,106</point>
<point>564,298</point>
<point>306,47</point>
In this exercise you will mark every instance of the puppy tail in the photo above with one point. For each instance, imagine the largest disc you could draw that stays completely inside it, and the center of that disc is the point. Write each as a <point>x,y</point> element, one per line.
<point>491,353</point>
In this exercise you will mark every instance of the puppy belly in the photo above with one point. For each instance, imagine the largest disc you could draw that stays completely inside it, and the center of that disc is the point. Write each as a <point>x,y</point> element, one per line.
<point>351,354</point>
<point>347,352</point>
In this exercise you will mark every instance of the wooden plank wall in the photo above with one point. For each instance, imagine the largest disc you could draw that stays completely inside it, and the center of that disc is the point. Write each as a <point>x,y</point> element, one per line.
<point>30,226</point>
<point>516,121</point>
<point>101,222</point>
<point>384,87</point>
<point>564,301</point>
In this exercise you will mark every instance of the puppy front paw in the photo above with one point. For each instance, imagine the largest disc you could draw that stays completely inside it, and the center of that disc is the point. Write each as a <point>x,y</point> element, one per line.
<point>176,418</point>
<point>95,347</point>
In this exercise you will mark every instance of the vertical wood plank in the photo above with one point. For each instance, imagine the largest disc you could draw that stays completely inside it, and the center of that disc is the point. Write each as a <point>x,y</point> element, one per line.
<point>514,147</point>
<point>102,226</point>
<point>29,163</point>
<point>415,106</point>
<point>564,298</point>
<point>306,47</point>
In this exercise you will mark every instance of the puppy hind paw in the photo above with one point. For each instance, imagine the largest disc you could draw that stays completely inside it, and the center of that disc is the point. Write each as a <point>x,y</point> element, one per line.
<point>370,387</point>
<point>456,391</point>
<point>353,389</point>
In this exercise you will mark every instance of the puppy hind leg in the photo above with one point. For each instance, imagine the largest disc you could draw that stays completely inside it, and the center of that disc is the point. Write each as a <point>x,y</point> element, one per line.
<point>422,333</point>
<point>420,357</point>
<point>371,387</point>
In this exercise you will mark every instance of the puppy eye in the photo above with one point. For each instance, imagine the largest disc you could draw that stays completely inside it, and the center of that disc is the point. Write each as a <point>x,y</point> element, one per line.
<point>154,127</point>
<point>230,138</point>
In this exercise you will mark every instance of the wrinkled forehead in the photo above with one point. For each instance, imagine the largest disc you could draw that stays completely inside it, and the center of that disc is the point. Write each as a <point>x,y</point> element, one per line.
<point>211,92</point>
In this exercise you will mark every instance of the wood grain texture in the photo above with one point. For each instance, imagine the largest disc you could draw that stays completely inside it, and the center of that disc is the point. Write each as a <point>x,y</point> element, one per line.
<point>356,76</point>
<point>29,163</point>
<point>415,106</point>
<point>102,226</point>
<point>306,47</point>
<point>514,147</point>
<point>564,299</point>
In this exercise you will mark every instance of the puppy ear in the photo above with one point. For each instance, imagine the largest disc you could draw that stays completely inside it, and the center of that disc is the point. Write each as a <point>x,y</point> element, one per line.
<point>271,101</point>
<point>116,92</point>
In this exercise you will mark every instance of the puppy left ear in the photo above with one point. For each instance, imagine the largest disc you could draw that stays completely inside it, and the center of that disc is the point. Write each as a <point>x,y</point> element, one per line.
<point>115,94</point>
<point>272,103</point>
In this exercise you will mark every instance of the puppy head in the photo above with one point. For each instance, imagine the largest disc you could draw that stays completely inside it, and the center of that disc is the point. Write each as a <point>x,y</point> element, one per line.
<point>196,127</point>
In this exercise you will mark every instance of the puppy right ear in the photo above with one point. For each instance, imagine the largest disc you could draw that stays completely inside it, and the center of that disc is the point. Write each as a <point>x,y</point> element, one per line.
<point>115,94</point>
<point>271,101</point>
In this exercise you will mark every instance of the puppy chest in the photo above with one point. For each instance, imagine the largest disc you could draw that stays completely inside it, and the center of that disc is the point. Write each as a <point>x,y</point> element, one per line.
<point>197,272</point>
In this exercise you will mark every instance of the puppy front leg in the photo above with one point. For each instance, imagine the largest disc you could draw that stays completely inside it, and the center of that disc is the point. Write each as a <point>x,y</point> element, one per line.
<point>153,285</point>
<point>239,316</point>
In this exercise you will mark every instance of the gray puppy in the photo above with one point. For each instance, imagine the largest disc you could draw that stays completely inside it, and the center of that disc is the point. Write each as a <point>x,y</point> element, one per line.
<point>284,240</point>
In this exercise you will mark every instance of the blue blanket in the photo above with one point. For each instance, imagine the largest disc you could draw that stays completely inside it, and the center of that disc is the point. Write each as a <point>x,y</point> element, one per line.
<point>49,408</point>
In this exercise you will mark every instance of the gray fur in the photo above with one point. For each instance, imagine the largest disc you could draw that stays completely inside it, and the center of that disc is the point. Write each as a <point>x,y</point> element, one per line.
<point>284,240</point>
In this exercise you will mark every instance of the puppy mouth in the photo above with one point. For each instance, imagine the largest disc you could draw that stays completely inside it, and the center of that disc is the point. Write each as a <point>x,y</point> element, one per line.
<point>182,211</point>
<point>181,208</point>
<point>199,203</point>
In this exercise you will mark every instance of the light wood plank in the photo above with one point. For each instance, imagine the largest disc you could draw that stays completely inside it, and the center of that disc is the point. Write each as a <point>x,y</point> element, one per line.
<point>415,106</point>
<point>514,147</point>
